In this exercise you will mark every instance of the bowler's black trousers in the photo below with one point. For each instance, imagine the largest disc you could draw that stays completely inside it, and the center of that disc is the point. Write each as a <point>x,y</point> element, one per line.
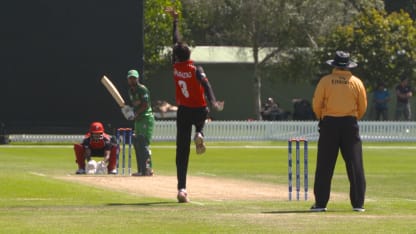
<point>339,133</point>
<point>186,117</point>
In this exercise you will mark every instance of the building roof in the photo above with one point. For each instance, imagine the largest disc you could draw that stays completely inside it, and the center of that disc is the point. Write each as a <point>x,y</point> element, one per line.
<point>222,54</point>
<point>225,54</point>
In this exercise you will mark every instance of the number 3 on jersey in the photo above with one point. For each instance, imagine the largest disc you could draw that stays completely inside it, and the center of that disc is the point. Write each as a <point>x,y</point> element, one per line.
<point>184,88</point>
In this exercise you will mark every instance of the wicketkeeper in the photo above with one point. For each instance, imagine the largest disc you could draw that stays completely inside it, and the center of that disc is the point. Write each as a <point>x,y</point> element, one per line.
<point>96,143</point>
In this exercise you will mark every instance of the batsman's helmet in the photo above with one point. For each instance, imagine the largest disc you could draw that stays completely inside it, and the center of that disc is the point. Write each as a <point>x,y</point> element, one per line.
<point>97,127</point>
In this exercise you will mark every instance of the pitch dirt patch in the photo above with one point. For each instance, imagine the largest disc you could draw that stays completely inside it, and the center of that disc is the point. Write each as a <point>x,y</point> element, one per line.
<point>203,188</point>
<point>199,187</point>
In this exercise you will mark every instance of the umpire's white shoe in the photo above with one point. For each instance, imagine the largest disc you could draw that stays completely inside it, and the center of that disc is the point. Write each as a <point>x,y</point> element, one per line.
<point>183,196</point>
<point>199,143</point>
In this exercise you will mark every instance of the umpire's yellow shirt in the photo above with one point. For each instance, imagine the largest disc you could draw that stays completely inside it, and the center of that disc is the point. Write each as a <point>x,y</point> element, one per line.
<point>340,94</point>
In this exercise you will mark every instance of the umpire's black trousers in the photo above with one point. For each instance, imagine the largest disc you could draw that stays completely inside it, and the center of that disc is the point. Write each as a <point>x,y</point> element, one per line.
<point>339,133</point>
<point>186,117</point>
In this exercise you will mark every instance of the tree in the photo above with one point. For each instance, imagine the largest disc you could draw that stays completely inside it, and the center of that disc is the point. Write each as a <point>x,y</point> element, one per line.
<point>318,20</point>
<point>157,33</point>
<point>281,33</point>
<point>284,31</point>
<point>383,45</point>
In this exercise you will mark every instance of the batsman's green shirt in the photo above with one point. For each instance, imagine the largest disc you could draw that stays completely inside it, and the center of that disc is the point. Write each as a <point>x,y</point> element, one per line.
<point>144,122</point>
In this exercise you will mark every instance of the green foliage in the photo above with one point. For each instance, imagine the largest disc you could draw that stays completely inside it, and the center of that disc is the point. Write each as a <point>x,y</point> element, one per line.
<point>271,28</point>
<point>279,27</point>
<point>157,33</point>
<point>383,45</point>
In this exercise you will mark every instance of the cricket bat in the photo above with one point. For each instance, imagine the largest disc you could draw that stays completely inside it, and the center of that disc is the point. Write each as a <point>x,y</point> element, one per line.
<point>113,91</point>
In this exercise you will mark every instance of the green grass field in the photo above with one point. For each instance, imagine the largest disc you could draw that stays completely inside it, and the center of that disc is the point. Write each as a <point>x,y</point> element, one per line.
<point>34,200</point>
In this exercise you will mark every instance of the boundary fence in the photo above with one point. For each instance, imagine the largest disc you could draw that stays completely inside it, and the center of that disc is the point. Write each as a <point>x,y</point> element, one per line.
<point>373,131</point>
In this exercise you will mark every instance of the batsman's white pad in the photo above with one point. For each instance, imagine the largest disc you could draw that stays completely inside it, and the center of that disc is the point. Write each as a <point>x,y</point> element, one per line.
<point>128,112</point>
<point>91,167</point>
<point>101,168</point>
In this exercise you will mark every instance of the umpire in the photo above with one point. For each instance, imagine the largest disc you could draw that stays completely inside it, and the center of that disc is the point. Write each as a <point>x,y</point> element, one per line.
<point>339,100</point>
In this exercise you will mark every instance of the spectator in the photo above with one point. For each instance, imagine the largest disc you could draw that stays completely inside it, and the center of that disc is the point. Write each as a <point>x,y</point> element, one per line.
<point>403,94</point>
<point>302,109</point>
<point>164,110</point>
<point>271,110</point>
<point>381,97</point>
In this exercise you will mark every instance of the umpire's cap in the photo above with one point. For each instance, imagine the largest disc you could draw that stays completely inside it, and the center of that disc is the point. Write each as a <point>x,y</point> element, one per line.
<point>342,60</point>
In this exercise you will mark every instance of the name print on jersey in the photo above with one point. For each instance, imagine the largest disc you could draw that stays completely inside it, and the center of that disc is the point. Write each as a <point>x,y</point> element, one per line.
<point>184,75</point>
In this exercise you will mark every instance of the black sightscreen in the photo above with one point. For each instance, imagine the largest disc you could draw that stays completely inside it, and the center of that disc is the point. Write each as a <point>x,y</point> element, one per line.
<point>53,54</point>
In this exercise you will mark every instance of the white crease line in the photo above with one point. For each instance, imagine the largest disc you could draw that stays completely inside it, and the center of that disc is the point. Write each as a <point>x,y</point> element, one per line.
<point>37,174</point>
<point>197,203</point>
<point>212,146</point>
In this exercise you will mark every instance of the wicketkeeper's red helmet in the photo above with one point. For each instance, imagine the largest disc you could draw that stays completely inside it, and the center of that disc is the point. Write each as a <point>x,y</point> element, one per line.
<point>97,127</point>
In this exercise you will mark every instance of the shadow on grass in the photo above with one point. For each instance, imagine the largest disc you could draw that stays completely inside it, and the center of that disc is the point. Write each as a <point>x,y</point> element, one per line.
<point>290,212</point>
<point>142,204</point>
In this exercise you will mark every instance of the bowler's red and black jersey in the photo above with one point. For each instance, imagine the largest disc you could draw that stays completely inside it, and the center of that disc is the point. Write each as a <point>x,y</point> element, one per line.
<point>189,90</point>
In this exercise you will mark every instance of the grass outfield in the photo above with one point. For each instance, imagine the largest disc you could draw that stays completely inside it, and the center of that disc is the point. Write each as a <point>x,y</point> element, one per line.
<point>34,200</point>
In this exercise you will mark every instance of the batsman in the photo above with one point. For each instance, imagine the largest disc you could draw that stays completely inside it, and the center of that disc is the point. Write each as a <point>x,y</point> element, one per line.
<point>143,122</point>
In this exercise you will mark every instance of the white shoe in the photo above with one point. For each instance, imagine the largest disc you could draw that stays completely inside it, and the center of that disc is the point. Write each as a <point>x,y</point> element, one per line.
<point>149,172</point>
<point>199,143</point>
<point>358,209</point>
<point>80,171</point>
<point>183,196</point>
<point>113,172</point>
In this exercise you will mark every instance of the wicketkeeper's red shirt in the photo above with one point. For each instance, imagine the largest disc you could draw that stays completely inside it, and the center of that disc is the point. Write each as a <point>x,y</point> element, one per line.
<point>100,144</point>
